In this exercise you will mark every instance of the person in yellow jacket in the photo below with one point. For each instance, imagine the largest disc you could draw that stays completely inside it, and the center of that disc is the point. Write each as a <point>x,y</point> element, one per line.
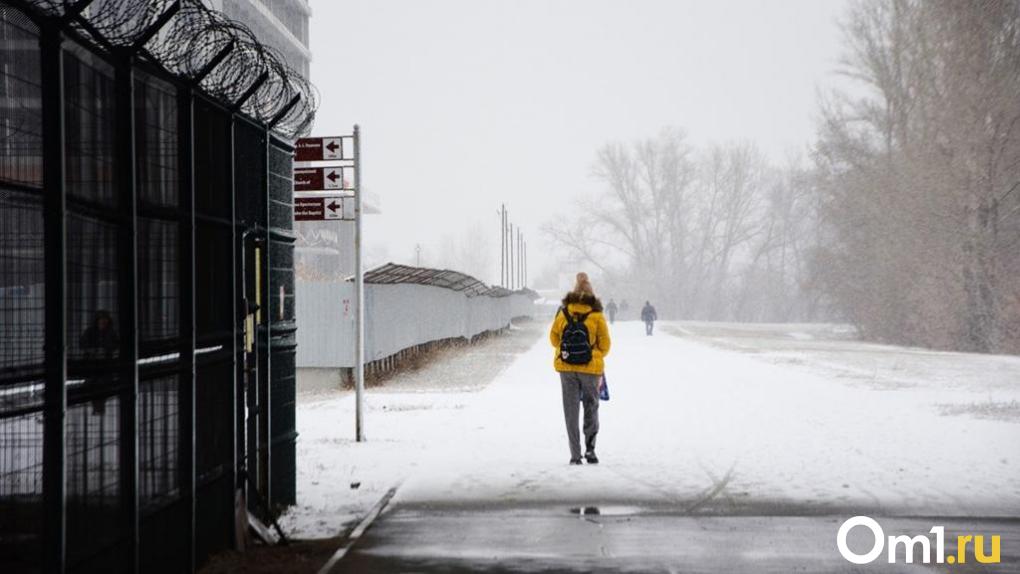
<point>580,363</point>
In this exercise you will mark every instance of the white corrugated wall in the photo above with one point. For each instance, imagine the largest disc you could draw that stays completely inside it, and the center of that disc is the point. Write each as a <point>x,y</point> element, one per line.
<point>397,317</point>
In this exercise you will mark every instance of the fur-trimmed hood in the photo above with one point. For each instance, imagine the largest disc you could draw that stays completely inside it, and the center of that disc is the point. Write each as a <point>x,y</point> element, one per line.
<point>583,299</point>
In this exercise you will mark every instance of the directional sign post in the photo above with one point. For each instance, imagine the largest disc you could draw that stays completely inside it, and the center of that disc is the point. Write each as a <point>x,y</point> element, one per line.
<point>343,154</point>
<point>359,288</point>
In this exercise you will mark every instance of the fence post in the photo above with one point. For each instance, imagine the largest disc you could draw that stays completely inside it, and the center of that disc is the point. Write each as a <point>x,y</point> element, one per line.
<point>265,352</point>
<point>54,231</point>
<point>185,151</point>
<point>237,316</point>
<point>127,293</point>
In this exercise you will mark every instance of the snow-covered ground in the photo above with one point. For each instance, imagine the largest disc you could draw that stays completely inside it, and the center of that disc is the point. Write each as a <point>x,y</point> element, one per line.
<point>703,418</point>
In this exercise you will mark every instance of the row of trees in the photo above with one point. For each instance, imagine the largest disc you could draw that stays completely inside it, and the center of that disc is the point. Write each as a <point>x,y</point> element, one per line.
<point>708,234</point>
<point>906,222</point>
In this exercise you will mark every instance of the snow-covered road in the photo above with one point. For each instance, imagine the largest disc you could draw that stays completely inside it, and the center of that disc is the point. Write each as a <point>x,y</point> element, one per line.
<point>701,420</point>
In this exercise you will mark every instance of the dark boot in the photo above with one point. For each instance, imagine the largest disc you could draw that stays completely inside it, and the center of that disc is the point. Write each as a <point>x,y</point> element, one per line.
<point>589,454</point>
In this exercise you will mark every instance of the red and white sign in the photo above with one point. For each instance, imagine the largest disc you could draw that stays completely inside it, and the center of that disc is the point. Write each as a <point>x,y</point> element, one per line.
<point>319,208</point>
<point>319,149</point>
<point>319,178</point>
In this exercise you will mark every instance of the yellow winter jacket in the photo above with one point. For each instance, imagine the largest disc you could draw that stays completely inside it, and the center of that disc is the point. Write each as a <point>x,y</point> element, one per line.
<point>598,333</point>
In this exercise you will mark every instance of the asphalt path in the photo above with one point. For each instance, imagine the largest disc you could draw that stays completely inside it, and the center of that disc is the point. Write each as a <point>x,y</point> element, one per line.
<point>562,538</point>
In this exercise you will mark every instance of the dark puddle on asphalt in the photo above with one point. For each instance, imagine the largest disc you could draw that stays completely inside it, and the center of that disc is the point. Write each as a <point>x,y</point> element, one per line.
<point>605,510</point>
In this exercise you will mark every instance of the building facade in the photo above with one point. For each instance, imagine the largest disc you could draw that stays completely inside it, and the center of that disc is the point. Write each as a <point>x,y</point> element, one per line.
<point>281,24</point>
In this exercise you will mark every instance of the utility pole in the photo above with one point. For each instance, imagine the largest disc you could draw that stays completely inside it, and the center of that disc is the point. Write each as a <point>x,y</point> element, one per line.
<point>518,276</point>
<point>512,263</point>
<point>525,264</point>
<point>506,247</point>
<point>502,245</point>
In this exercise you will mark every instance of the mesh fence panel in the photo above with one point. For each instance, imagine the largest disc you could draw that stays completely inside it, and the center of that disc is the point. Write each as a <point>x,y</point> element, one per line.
<point>158,285</point>
<point>22,294</point>
<point>20,111</point>
<point>281,316</point>
<point>156,142</point>
<point>21,474</point>
<point>22,287</point>
<point>94,477</point>
<point>158,441</point>
<point>90,121</point>
<point>230,152</point>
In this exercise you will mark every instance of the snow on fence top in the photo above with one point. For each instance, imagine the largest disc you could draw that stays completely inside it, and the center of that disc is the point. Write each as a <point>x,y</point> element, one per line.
<point>392,273</point>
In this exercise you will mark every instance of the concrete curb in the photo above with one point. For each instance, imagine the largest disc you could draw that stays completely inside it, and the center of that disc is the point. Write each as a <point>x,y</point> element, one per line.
<point>360,529</point>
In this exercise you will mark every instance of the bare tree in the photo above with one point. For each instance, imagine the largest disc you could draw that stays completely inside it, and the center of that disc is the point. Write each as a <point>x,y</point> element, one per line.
<point>914,175</point>
<point>691,230</point>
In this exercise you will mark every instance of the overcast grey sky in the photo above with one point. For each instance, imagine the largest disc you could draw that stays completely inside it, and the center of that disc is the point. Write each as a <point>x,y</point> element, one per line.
<point>468,103</point>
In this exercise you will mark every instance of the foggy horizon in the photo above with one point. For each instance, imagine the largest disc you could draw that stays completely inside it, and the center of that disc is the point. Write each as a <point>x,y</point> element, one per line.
<point>770,320</point>
<point>466,105</point>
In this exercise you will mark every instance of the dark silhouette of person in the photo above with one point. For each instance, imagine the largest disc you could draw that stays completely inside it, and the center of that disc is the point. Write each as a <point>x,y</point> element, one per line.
<point>611,310</point>
<point>99,343</point>
<point>648,315</point>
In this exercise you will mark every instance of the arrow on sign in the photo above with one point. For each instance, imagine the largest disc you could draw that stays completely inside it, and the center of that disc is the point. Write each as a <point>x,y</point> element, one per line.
<point>334,208</point>
<point>332,148</point>
<point>320,209</point>
<point>334,178</point>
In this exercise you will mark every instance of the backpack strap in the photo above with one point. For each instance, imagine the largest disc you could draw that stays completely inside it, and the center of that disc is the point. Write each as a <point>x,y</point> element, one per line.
<point>566,315</point>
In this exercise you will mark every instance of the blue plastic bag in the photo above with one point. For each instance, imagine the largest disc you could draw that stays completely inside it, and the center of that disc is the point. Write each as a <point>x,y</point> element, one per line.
<point>604,389</point>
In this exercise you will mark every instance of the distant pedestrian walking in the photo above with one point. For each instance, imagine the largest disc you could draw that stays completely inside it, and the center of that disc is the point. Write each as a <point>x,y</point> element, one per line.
<point>649,316</point>
<point>580,336</point>
<point>611,309</point>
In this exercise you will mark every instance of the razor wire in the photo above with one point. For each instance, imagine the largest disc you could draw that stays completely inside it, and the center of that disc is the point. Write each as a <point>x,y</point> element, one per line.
<point>202,45</point>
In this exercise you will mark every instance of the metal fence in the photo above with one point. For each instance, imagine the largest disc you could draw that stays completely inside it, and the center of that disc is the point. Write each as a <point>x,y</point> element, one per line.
<point>147,328</point>
<point>400,315</point>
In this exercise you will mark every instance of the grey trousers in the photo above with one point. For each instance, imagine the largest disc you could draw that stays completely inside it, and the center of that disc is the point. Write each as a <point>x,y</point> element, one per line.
<point>580,388</point>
